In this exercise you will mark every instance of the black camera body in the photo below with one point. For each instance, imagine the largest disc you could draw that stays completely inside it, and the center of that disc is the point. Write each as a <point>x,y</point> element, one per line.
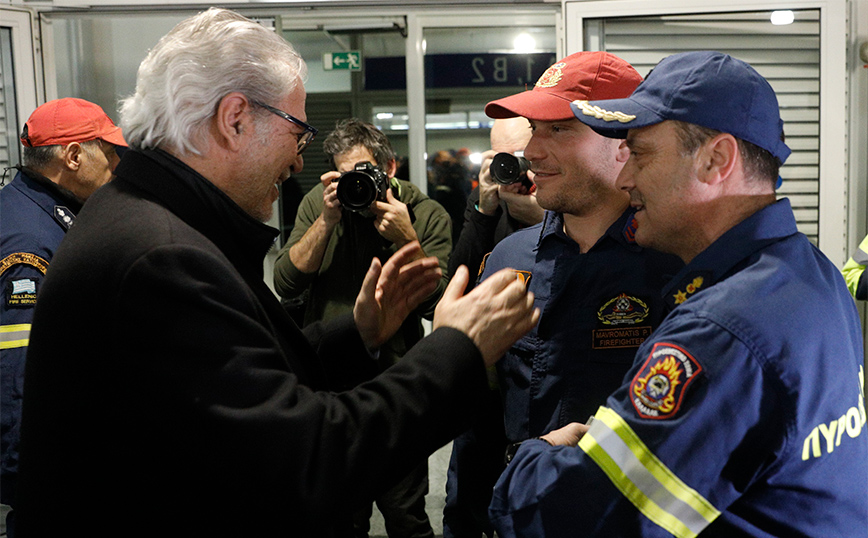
<point>507,169</point>
<point>362,186</point>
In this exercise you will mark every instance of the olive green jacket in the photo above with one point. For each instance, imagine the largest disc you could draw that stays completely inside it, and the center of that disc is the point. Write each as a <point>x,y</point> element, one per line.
<point>353,243</point>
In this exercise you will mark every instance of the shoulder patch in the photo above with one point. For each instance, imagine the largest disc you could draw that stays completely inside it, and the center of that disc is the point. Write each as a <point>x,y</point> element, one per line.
<point>482,267</point>
<point>630,230</point>
<point>25,258</point>
<point>659,387</point>
<point>524,276</point>
<point>21,293</point>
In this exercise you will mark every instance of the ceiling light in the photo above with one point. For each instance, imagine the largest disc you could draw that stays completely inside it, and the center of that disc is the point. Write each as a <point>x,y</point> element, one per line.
<point>524,43</point>
<point>780,18</point>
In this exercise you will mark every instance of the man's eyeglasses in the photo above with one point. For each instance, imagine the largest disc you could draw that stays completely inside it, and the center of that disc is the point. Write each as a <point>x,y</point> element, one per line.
<point>305,137</point>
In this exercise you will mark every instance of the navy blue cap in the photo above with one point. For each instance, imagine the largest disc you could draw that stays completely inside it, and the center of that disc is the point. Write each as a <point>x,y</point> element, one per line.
<point>707,88</point>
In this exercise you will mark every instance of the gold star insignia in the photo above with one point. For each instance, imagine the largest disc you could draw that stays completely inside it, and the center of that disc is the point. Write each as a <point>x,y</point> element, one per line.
<point>680,297</point>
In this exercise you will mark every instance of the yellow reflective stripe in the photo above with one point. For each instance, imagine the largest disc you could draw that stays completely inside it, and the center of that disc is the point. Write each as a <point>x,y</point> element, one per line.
<point>643,479</point>
<point>860,257</point>
<point>15,328</point>
<point>852,272</point>
<point>14,336</point>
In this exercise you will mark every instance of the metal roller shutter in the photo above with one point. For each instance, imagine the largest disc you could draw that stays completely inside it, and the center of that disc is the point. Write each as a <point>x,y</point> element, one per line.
<point>788,56</point>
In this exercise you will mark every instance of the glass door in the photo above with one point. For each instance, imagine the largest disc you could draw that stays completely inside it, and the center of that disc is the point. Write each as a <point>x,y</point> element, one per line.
<point>19,88</point>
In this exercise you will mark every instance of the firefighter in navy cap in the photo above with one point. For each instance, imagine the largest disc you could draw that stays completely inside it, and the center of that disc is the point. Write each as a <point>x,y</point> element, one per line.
<point>69,152</point>
<point>743,414</point>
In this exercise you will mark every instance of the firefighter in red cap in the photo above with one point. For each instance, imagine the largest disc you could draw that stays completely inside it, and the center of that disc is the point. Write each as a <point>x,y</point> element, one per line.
<point>69,152</point>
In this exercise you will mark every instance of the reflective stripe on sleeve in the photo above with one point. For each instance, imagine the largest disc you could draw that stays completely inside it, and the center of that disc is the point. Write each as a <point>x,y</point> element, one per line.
<point>643,479</point>
<point>860,257</point>
<point>13,336</point>
<point>861,254</point>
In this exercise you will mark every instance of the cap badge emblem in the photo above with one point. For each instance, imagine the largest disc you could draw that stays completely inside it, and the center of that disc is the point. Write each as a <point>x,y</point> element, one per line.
<point>602,114</point>
<point>552,76</point>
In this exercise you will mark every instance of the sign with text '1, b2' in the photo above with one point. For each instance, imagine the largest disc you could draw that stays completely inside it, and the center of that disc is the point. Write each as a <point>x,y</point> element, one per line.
<point>350,60</point>
<point>461,70</point>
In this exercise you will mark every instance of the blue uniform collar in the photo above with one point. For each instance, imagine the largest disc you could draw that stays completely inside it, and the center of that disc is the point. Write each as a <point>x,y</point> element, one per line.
<point>60,205</point>
<point>731,250</point>
<point>622,230</point>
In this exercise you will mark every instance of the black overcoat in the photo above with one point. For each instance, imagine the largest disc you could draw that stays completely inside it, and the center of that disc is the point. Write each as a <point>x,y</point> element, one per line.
<point>167,393</point>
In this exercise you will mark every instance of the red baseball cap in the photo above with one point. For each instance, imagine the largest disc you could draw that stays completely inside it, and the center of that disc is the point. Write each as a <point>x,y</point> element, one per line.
<point>59,122</point>
<point>583,75</point>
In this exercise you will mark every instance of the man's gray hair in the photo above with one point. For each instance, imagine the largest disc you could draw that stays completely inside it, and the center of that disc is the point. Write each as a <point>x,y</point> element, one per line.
<point>204,58</point>
<point>40,158</point>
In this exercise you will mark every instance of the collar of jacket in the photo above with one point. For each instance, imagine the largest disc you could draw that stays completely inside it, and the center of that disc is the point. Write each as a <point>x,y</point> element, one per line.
<point>622,230</point>
<point>199,203</point>
<point>52,193</point>
<point>731,251</point>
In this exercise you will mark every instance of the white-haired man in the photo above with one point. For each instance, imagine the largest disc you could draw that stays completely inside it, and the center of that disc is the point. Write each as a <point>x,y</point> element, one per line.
<point>178,398</point>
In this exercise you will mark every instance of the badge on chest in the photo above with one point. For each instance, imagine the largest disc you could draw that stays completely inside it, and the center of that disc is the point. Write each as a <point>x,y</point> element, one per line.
<point>622,317</point>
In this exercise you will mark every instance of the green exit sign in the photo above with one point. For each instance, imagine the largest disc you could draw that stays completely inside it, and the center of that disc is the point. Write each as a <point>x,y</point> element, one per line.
<point>350,60</point>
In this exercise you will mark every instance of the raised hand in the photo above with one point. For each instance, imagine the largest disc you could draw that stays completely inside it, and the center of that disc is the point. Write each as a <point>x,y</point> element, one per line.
<point>495,314</point>
<point>391,291</point>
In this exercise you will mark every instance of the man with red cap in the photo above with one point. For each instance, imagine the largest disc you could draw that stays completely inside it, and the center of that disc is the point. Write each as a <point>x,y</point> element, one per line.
<point>598,291</point>
<point>69,152</point>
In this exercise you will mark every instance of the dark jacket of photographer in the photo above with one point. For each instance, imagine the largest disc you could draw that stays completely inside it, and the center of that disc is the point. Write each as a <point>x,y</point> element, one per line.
<point>480,234</point>
<point>353,243</point>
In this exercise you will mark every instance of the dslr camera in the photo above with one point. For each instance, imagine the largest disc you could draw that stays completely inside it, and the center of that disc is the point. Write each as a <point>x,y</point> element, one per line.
<point>507,169</point>
<point>362,186</point>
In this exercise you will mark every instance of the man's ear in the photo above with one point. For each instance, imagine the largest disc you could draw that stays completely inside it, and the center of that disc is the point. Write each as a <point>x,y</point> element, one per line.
<point>72,156</point>
<point>718,158</point>
<point>623,152</point>
<point>391,168</point>
<point>232,120</point>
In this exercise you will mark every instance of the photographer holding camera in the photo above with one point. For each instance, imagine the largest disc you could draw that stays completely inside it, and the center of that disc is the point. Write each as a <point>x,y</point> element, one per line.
<point>504,201</point>
<point>358,212</point>
<point>498,207</point>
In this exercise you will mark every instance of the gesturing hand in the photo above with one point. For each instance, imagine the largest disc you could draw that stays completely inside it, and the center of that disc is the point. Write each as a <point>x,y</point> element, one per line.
<point>495,314</point>
<point>391,291</point>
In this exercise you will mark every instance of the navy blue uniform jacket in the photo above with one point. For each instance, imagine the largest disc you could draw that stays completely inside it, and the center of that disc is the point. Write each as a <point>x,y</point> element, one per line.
<point>34,217</point>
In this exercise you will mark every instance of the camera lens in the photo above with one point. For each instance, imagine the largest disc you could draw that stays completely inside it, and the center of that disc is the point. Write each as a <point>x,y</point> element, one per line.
<point>507,169</point>
<point>356,191</point>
